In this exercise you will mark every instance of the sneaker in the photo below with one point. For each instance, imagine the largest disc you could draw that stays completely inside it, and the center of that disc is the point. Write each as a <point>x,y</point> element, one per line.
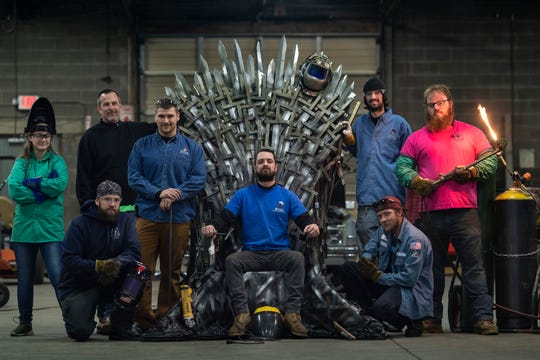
<point>415,328</point>
<point>24,329</point>
<point>432,326</point>
<point>124,335</point>
<point>103,327</point>
<point>486,327</point>
<point>294,323</point>
<point>241,322</point>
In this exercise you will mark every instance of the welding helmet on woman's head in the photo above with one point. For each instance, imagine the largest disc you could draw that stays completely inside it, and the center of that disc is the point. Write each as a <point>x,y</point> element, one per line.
<point>41,117</point>
<point>315,73</point>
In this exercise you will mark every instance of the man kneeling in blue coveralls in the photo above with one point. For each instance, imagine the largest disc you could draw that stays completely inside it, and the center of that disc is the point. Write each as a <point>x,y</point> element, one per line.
<point>393,280</point>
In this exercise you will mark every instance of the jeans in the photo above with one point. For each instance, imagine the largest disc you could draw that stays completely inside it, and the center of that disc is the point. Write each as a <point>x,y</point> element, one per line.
<point>367,224</point>
<point>25,254</point>
<point>289,261</point>
<point>462,226</point>
<point>382,302</point>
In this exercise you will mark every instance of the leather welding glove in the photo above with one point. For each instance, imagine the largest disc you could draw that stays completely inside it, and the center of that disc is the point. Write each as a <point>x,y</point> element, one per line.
<point>462,175</point>
<point>369,270</point>
<point>424,186</point>
<point>107,270</point>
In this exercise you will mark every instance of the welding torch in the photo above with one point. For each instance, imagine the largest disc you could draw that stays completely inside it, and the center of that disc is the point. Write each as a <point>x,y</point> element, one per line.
<point>499,147</point>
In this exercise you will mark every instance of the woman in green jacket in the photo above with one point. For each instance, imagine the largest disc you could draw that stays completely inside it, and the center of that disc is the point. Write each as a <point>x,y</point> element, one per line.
<point>36,183</point>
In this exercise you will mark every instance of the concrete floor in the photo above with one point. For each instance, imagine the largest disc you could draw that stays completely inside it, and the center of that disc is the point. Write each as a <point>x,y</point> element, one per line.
<point>50,342</point>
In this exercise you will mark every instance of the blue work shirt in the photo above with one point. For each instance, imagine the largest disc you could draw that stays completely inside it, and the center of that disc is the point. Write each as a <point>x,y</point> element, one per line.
<point>411,269</point>
<point>376,150</point>
<point>157,164</point>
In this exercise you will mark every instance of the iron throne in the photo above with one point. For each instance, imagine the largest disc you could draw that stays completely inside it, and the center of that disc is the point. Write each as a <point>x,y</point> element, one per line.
<point>235,111</point>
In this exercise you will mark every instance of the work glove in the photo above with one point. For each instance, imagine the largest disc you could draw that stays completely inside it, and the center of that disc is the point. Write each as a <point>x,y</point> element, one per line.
<point>424,186</point>
<point>39,196</point>
<point>107,270</point>
<point>33,183</point>
<point>53,174</point>
<point>462,175</point>
<point>369,270</point>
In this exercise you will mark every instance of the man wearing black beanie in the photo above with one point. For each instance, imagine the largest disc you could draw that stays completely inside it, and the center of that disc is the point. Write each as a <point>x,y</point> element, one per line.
<point>375,139</point>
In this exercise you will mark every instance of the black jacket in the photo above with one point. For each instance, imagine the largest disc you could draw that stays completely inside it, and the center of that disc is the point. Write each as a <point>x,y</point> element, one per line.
<point>90,238</point>
<point>103,155</point>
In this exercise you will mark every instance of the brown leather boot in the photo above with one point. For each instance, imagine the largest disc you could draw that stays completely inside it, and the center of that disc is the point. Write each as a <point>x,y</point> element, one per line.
<point>241,322</point>
<point>294,322</point>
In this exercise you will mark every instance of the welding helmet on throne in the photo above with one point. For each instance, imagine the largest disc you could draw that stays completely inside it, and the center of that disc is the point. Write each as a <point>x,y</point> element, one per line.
<point>41,117</point>
<point>315,73</point>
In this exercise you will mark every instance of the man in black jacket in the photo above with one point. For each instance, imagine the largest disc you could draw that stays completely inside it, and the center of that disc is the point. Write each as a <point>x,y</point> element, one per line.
<point>104,150</point>
<point>98,246</point>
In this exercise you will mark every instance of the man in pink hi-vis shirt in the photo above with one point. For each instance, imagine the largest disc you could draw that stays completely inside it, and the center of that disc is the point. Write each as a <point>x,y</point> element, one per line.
<point>449,211</point>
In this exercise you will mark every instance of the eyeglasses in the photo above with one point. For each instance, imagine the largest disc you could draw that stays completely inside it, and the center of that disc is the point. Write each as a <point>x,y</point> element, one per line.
<point>432,105</point>
<point>41,136</point>
<point>374,92</point>
<point>110,199</point>
<point>384,201</point>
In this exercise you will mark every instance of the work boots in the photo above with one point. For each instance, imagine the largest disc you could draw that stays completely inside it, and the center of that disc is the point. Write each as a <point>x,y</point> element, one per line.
<point>294,323</point>
<point>432,325</point>
<point>415,328</point>
<point>241,322</point>
<point>486,327</point>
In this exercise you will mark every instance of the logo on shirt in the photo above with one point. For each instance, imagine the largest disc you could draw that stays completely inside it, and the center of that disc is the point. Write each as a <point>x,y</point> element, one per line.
<point>416,246</point>
<point>184,151</point>
<point>279,208</point>
<point>115,233</point>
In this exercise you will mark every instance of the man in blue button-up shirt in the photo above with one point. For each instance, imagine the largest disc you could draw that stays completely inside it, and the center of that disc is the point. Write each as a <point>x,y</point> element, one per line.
<point>375,139</point>
<point>167,170</point>
<point>395,270</point>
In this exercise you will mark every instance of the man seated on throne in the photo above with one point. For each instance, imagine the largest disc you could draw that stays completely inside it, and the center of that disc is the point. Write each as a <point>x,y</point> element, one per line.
<point>263,211</point>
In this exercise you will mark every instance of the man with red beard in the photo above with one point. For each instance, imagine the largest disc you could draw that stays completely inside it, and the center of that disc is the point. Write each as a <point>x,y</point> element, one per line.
<point>449,211</point>
<point>375,139</point>
<point>264,210</point>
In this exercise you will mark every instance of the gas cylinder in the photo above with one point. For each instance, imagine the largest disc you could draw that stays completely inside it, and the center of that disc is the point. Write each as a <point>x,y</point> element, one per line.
<point>515,256</point>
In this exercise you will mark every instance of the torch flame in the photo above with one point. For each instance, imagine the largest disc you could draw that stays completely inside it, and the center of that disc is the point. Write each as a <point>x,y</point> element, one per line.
<point>483,114</point>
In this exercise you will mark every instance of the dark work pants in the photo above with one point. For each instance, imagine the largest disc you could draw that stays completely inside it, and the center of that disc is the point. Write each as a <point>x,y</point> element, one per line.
<point>462,226</point>
<point>288,261</point>
<point>79,310</point>
<point>382,302</point>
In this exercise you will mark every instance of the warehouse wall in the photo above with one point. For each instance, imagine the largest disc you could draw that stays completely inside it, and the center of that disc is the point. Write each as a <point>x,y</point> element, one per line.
<point>486,58</point>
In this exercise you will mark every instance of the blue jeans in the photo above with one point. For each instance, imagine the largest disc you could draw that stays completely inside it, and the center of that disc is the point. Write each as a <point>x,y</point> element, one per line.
<point>367,224</point>
<point>462,226</point>
<point>25,255</point>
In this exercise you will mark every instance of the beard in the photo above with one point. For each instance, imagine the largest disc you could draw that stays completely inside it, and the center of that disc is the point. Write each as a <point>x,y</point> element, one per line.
<point>439,121</point>
<point>265,175</point>
<point>376,108</point>
<point>108,216</point>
